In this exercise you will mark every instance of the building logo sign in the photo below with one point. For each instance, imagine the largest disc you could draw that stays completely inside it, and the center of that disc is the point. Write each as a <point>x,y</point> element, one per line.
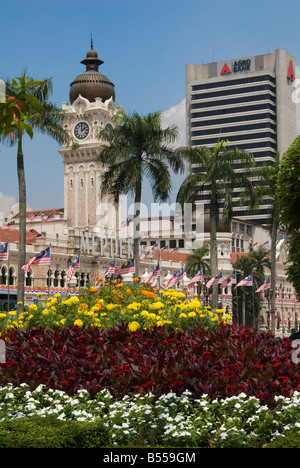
<point>238,66</point>
<point>242,65</point>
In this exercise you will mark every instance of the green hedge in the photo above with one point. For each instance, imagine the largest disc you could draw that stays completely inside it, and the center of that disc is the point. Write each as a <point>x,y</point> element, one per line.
<point>50,432</point>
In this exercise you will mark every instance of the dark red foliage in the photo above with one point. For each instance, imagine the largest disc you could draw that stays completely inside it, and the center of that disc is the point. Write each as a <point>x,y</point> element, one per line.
<point>222,363</point>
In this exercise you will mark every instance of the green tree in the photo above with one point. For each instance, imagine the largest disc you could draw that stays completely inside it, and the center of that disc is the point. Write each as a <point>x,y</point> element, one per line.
<point>288,191</point>
<point>267,191</point>
<point>216,173</point>
<point>138,147</point>
<point>30,112</point>
<point>196,261</point>
<point>255,264</point>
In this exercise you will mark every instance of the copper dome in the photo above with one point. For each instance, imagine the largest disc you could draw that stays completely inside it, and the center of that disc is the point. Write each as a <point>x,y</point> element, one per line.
<point>92,84</point>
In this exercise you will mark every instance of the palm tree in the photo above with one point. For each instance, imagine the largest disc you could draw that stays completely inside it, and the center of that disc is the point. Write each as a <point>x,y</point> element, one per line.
<point>261,262</point>
<point>137,147</point>
<point>244,267</point>
<point>267,190</point>
<point>196,261</point>
<point>216,173</point>
<point>33,112</point>
<point>253,264</point>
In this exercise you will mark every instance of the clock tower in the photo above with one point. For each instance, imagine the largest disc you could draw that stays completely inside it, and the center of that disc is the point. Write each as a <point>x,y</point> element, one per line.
<point>92,106</point>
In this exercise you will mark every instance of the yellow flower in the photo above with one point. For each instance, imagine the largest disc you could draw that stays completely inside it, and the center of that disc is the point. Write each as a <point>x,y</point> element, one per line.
<point>133,326</point>
<point>2,315</point>
<point>33,308</point>
<point>191,314</point>
<point>78,323</point>
<point>12,313</point>
<point>228,317</point>
<point>39,294</point>
<point>45,312</point>
<point>182,316</point>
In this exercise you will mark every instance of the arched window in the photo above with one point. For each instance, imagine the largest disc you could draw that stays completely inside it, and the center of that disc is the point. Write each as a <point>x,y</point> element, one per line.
<point>56,278</point>
<point>28,278</point>
<point>49,278</point>
<point>11,276</point>
<point>63,279</point>
<point>3,275</point>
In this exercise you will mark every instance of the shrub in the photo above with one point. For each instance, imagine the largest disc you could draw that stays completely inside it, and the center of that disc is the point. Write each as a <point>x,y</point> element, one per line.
<point>49,432</point>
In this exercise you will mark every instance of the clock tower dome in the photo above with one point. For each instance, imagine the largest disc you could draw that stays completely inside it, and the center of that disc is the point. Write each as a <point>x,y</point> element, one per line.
<point>92,107</point>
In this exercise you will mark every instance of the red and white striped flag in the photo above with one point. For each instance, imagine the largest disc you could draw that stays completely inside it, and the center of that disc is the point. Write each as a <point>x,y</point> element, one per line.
<point>217,279</point>
<point>3,250</point>
<point>248,281</point>
<point>198,277</point>
<point>154,272</point>
<point>43,258</point>
<point>75,266</point>
<point>266,285</point>
<point>178,276</point>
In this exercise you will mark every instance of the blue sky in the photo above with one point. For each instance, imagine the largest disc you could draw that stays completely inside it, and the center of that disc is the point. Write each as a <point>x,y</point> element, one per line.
<point>144,45</point>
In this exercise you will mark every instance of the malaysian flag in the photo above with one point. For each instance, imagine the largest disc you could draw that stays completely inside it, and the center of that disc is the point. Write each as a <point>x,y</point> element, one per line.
<point>8,225</point>
<point>217,279</point>
<point>198,277</point>
<point>178,276</point>
<point>37,214</point>
<point>154,272</point>
<point>47,219</point>
<point>3,250</point>
<point>266,285</point>
<point>231,280</point>
<point>111,269</point>
<point>248,281</point>
<point>74,266</point>
<point>43,258</point>
<point>127,267</point>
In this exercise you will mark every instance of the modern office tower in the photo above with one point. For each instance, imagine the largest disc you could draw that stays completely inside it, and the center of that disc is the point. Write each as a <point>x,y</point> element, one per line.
<point>248,102</point>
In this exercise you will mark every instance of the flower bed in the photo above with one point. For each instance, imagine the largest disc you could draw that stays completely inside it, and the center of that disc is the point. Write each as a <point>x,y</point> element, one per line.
<point>137,306</point>
<point>220,363</point>
<point>168,421</point>
<point>133,346</point>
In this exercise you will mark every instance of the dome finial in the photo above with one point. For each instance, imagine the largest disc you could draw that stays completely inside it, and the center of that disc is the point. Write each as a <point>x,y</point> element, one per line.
<point>92,45</point>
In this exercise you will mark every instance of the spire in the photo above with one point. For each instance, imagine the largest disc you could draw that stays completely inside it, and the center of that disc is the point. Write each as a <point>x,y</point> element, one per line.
<point>91,61</point>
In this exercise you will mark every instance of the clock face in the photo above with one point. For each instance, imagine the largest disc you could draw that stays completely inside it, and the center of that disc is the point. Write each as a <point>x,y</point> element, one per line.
<point>81,130</point>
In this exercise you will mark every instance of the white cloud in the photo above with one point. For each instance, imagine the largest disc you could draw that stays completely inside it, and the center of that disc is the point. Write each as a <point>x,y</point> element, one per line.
<point>6,202</point>
<point>176,116</point>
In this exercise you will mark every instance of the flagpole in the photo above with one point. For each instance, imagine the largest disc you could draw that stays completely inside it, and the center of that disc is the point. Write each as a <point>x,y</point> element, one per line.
<point>49,272</point>
<point>8,266</point>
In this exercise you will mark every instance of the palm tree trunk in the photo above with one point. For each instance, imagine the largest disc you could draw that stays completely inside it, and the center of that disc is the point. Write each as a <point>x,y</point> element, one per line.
<point>243,308</point>
<point>273,271</point>
<point>136,241</point>
<point>22,223</point>
<point>213,252</point>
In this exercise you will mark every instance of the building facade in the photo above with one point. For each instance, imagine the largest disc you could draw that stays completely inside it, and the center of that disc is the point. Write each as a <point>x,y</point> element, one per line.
<point>247,102</point>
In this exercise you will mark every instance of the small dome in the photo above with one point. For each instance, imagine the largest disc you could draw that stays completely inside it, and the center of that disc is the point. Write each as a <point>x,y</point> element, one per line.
<point>92,84</point>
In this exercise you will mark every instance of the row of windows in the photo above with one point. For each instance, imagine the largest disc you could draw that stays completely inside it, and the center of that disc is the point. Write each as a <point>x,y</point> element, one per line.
<point>171,243</point>
<point>81,183</point>
<point>228,102</point>
<point>242,118</point>
<point>253,136</point>
<point>233,110</point>
<point>239,81</point>
<point>264,162</point>
<point>231,92</point>
<point>239,128</point>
